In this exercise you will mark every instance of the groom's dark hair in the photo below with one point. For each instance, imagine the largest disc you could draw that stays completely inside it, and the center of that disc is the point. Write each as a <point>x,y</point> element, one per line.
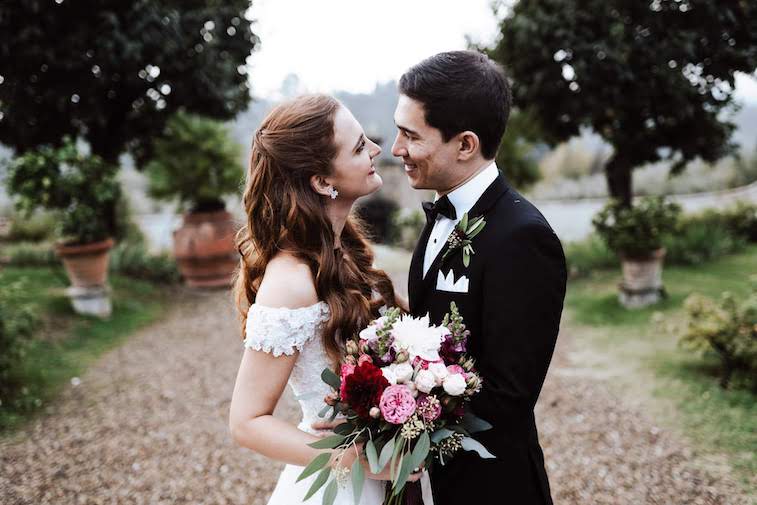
<point>462,90</point>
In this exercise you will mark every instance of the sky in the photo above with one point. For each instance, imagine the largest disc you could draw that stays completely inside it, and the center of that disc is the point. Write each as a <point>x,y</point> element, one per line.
<point>350,45</point>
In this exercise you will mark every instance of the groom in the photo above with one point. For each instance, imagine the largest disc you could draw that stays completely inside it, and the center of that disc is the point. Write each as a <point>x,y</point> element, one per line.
<point>451,115</point>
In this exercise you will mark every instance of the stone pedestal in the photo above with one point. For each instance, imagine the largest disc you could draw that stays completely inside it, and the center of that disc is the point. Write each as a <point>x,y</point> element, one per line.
<point>632,298</point>
<point>91,301</point>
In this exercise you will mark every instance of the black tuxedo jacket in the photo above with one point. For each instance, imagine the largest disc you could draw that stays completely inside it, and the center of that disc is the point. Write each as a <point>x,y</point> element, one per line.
<point>516,286</point>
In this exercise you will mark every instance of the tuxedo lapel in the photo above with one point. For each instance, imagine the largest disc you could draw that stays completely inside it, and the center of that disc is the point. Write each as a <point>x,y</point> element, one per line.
<point>419,285</point>
<point>415,276</point>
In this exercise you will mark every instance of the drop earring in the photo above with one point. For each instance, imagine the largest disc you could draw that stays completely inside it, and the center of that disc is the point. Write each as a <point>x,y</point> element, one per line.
<point>333,192</point>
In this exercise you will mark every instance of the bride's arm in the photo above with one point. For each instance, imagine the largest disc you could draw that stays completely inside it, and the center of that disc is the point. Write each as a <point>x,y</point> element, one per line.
<point>262,377</point>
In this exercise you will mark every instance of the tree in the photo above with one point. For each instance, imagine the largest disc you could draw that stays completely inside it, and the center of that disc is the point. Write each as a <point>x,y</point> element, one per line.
<point>113,72</point>
<point>515,154</point>
<point>653,78</point>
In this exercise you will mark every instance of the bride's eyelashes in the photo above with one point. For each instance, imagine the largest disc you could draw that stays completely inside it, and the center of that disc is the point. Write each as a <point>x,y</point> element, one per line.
<point>360,147</point>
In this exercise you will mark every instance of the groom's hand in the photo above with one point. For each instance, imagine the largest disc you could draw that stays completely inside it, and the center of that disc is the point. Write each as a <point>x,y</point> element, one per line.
<point>326,427</point>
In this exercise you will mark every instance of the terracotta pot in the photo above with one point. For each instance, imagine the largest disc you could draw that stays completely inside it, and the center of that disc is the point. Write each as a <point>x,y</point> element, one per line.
<point>86,264</point>
<point>642,279</point>
<point>204,249</point>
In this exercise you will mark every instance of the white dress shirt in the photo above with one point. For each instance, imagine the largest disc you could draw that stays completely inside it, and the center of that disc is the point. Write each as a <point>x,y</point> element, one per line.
<point>463,199</point>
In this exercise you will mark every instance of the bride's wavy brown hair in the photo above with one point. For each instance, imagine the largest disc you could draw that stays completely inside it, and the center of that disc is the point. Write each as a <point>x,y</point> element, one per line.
<point>284,213</point>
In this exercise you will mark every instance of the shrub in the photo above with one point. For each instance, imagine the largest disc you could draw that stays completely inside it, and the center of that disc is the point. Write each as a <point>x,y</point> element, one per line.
<point>38,227</point>
<point>29,254</point>
<point>83,190</point>
<point>133,260</point>
<point>728,328</point>
<point>195,161</point>
<point>638,230</point>
<point>377,213</point>
<point>17,323</point>
<point>701,238</point>
<point>587,255</point>
<point>409,225</point>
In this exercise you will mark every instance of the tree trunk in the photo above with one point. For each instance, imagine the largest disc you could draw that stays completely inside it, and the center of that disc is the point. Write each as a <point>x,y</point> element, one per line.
<point>619,181</point>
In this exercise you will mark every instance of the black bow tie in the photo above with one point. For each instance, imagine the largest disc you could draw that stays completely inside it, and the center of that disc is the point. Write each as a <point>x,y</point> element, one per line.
<point>442,206</point>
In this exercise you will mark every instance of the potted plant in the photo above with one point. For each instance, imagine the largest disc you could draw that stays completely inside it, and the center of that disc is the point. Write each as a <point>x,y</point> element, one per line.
<point>197,163</point>
<point>82,190</point>
<point>636,234</point>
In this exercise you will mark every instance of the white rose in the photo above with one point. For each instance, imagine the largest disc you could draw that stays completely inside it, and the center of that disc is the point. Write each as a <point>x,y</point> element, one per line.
<point>439,370</point>
<point>454,384</point>
<point>425,381</point>
<point>403,372</point>
<point>389,374</point>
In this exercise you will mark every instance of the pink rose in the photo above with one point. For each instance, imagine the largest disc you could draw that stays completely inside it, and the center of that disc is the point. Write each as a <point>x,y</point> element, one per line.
<point>363,359</point>
<point>397,404</point>
<point>453,369</point>
<point>347,369</point>
<point>424,363</point>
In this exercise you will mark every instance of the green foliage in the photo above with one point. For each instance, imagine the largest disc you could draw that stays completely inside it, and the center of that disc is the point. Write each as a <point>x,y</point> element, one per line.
<point>116,85</point>
<point>28,254</point>
<point>588,255</point>
<point>652,78</point>
<point>409,226</point>
<point>377,215</point>
<point>701,238</point>
<point>17,324</point>
<point>133,260</point>
<point>65,343</point>
<point>728,327</point>
<point>36,228</point>
<point>196,162</point>
<point>515,155</point>
<point>83,189</point>
<point>639,230</point>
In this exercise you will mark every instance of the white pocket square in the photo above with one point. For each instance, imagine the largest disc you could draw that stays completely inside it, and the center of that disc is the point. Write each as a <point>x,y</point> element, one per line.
<point>447,283</point>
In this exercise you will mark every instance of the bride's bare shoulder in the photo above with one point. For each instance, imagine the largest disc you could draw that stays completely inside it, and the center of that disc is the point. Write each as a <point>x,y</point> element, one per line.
<point>287,282</point>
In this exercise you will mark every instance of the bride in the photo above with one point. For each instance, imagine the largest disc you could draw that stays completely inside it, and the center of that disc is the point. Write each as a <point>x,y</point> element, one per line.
<point>305,283</point>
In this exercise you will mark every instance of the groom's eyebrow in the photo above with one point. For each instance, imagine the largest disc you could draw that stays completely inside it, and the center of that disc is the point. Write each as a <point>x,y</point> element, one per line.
<point>406,130</point>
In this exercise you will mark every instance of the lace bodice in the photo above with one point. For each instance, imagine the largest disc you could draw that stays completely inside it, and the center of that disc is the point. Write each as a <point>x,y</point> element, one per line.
<point>281,331</point>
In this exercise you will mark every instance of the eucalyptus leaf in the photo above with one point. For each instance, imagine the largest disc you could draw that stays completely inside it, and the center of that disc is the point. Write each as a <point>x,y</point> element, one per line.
<point>318,462</point>
<point>323,411</point>
<point>319,481</point>
<point>420,451</point>
<point>344,428</point>
<point>330,378</point>
<point>466,258</point>
<point>386,453</point>
<point>370,452</point>
<point>440,435</point>
<point>464,222</point>
<point>470,444</point>
<point>358,478</point>
<point>475,424</point>
<point>328,442</point>
<point>405,471</point>
<point>330,494</point>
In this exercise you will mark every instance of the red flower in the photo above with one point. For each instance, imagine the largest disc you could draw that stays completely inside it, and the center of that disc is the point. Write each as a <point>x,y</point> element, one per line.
<point>362,389</point>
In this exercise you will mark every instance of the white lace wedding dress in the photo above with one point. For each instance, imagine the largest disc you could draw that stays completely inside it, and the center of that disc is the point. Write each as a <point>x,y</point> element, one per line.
<point>281,331</point>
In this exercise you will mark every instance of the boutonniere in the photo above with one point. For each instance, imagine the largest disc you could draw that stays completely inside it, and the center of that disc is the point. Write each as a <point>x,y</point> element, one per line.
<point>462,236</point>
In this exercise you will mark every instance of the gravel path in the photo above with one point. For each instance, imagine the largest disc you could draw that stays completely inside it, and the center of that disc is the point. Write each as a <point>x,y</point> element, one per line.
<point>148,425</point>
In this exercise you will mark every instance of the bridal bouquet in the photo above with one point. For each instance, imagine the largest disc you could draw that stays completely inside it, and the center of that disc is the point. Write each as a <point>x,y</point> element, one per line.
<point>404,387</point>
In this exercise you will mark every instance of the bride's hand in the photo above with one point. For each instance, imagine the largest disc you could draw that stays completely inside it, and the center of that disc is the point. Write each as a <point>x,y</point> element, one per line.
<point>349,458</point>
<point>326,428</point>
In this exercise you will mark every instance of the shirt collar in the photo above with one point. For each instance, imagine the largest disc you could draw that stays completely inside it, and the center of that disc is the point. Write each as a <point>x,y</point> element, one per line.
<point>466,196</point>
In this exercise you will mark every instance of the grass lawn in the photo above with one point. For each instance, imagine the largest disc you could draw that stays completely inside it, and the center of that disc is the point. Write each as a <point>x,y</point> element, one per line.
<point>676,387</point>
<point>67,343</point>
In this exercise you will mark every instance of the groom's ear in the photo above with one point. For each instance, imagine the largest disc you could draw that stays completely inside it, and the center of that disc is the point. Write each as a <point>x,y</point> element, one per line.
<point>320,185</point>
<point>468,145</point>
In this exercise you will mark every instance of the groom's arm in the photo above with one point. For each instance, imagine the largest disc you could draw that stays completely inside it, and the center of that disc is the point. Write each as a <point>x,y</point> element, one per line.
<point>523,291</point>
